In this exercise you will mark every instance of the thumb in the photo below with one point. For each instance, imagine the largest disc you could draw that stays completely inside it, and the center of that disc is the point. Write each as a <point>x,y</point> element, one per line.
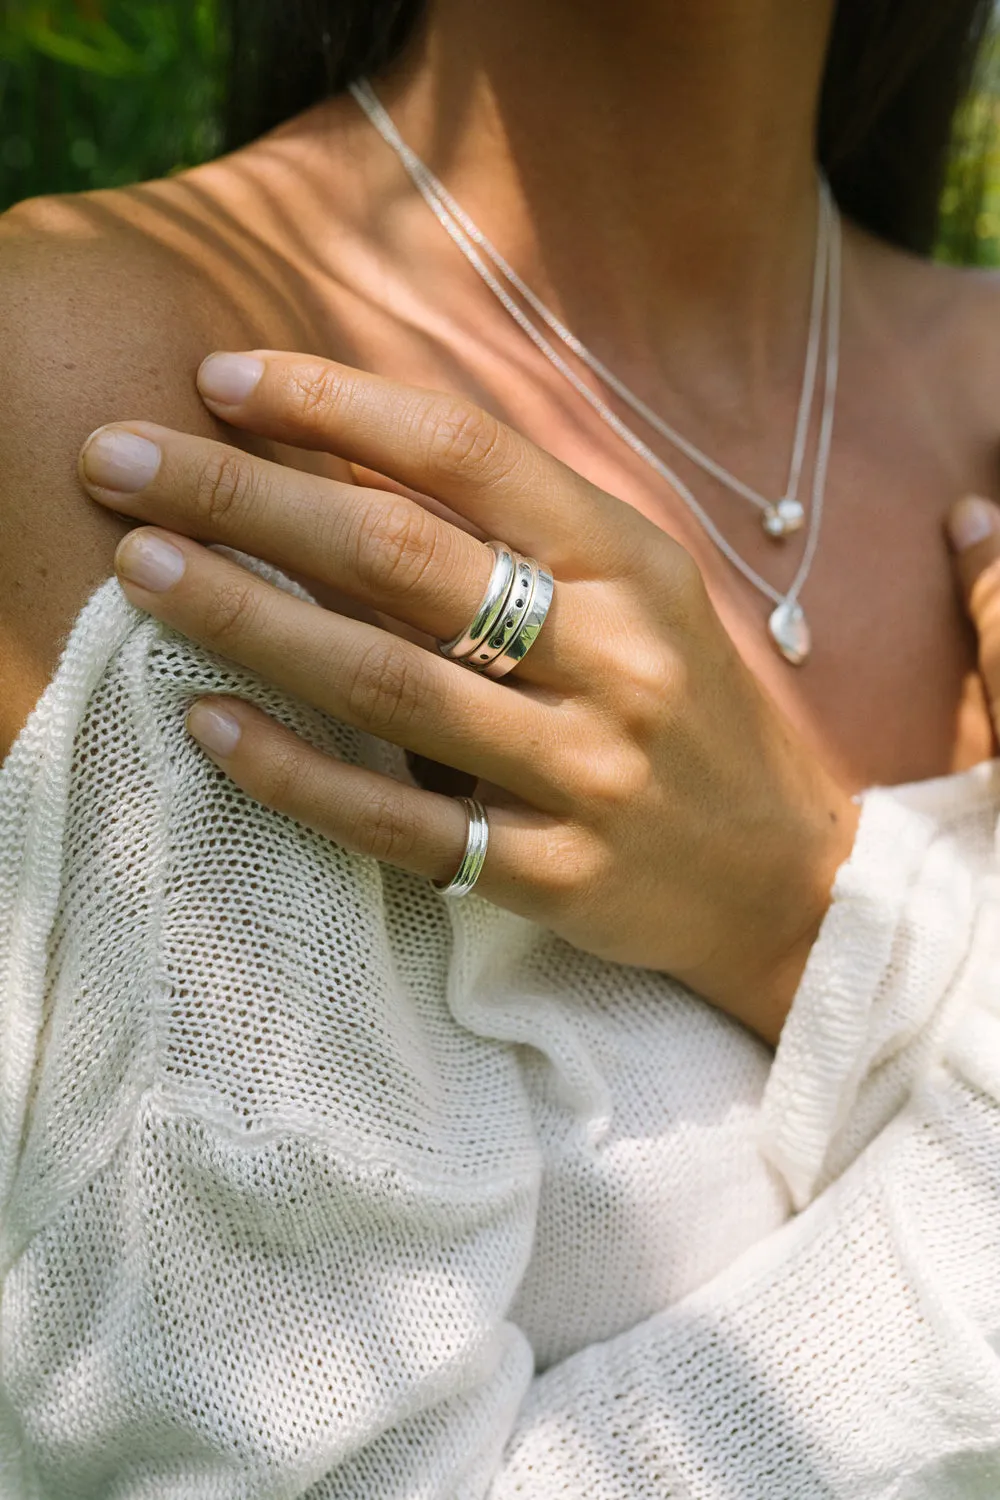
<point>974,533</point>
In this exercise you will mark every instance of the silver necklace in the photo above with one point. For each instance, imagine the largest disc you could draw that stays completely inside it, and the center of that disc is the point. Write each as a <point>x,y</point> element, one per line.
<point>787,624</point>
<point>779,518</point>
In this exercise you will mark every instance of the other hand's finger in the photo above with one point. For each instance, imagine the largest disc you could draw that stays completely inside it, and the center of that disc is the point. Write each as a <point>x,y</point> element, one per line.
<point>974,533</point>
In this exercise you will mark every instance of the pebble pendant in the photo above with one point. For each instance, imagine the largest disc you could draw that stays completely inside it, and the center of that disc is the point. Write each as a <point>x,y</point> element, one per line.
<point>789,630</point>
<point>782,519</point>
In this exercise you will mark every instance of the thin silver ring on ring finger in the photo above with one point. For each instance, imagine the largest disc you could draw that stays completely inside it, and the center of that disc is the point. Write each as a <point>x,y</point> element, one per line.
<point>477,841</point>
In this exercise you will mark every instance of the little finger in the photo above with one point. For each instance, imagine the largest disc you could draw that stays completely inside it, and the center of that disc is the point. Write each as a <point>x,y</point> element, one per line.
<point>370,814</point>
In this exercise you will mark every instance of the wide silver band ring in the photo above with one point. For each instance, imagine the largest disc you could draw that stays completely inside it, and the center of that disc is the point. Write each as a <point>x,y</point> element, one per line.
<point>509,618</point>
<point>527,633</point>
<point>477,840</point>
<point>512,617</point>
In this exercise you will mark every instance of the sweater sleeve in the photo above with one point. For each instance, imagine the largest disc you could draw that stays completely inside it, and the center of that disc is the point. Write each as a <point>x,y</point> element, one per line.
<point>267,1202</point>
<point>902,968</point>
<point>854,1352</point>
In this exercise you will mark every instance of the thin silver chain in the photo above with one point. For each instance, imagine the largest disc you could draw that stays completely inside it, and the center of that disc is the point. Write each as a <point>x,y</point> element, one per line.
<point>431,186</point>
<point>467,236</point>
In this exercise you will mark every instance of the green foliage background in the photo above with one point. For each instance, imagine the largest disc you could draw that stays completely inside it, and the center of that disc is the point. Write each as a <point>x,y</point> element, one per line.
<point>970,204</point>
<point>95,93</point>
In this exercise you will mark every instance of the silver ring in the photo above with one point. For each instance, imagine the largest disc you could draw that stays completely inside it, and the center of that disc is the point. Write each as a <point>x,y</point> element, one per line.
<point>527,633</point>
<point>512,617</point>
<point>490,609</point>
<point>477,840</point>
<point>509,618</point>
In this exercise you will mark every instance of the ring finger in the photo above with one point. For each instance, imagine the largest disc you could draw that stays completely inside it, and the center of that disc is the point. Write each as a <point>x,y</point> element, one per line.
<point>349,669</point>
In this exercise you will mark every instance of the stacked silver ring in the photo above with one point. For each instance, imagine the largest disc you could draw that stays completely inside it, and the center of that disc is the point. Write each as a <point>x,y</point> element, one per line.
<point>509,618</point>
<point>499,635</point>
<point>476,840</point>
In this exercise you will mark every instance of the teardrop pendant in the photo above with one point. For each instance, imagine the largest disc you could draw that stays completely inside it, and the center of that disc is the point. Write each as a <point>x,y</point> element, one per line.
<point>782,519</point>
<point>789,630</point>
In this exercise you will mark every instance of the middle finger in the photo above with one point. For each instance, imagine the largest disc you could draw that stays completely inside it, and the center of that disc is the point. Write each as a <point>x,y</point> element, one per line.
<point>350,669</point>
<point>378,547</point>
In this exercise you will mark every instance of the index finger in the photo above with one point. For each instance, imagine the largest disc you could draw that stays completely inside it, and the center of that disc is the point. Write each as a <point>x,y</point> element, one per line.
<point>440,444</point>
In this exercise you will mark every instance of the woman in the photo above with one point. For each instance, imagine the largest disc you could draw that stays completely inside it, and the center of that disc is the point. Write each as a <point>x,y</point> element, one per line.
<point>313,1182</point>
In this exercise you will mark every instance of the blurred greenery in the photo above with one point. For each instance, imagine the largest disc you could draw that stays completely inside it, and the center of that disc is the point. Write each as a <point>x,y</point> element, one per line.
<point>970,204</point>
<point>96,93</point>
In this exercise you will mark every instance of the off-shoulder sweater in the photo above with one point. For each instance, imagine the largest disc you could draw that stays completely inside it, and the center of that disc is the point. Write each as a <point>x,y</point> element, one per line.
<point>313,1183</point>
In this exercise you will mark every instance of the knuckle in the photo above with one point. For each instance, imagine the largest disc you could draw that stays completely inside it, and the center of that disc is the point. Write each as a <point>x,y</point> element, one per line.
<point>280,779</point>
<point>648,714</point>
<point>315,390</point>
<point>225,483</point>
<point>395,546</point>
<point>647,680</point>
<point>672,584</point>
<point>609,780</point>
<point>380,830</point>
<point>383,693</point>
<point>566,870</point>
<point>686,593</point>
<point>229,613</point>
<point>689,580</point>
<point>462,439</point>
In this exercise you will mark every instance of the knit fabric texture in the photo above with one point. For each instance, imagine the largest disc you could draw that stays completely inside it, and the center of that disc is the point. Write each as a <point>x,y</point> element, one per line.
<point>313,1183</point>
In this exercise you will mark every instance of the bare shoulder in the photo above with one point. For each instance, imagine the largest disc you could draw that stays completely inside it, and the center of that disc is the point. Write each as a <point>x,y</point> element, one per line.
<point>108,303</point>
<point>967,361</point>
<point>922,297</point>
<point>935,330</point>
<point>974,328</point>
<point>950,312</point>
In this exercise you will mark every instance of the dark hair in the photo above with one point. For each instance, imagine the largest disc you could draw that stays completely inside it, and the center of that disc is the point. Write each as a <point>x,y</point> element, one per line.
<point>895,73</point>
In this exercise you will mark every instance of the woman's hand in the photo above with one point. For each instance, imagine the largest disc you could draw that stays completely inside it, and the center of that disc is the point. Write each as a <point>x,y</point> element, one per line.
<point>647,802</point>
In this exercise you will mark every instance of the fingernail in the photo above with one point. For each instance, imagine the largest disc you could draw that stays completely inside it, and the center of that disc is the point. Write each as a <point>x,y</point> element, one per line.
<point>212,727</point>
<point>149,562</point>
<point>229,378</point>
<point>970,521</point>
<point>119,460</point>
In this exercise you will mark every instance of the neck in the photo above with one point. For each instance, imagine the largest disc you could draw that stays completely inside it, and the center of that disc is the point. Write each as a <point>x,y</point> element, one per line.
<point>647,166</point>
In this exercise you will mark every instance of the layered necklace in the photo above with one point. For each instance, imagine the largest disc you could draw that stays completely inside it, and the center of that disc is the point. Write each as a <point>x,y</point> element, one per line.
<point>781,517</point>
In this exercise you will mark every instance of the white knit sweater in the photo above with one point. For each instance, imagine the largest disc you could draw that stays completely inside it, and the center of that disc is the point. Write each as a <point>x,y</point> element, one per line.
<point>313,1184</point>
